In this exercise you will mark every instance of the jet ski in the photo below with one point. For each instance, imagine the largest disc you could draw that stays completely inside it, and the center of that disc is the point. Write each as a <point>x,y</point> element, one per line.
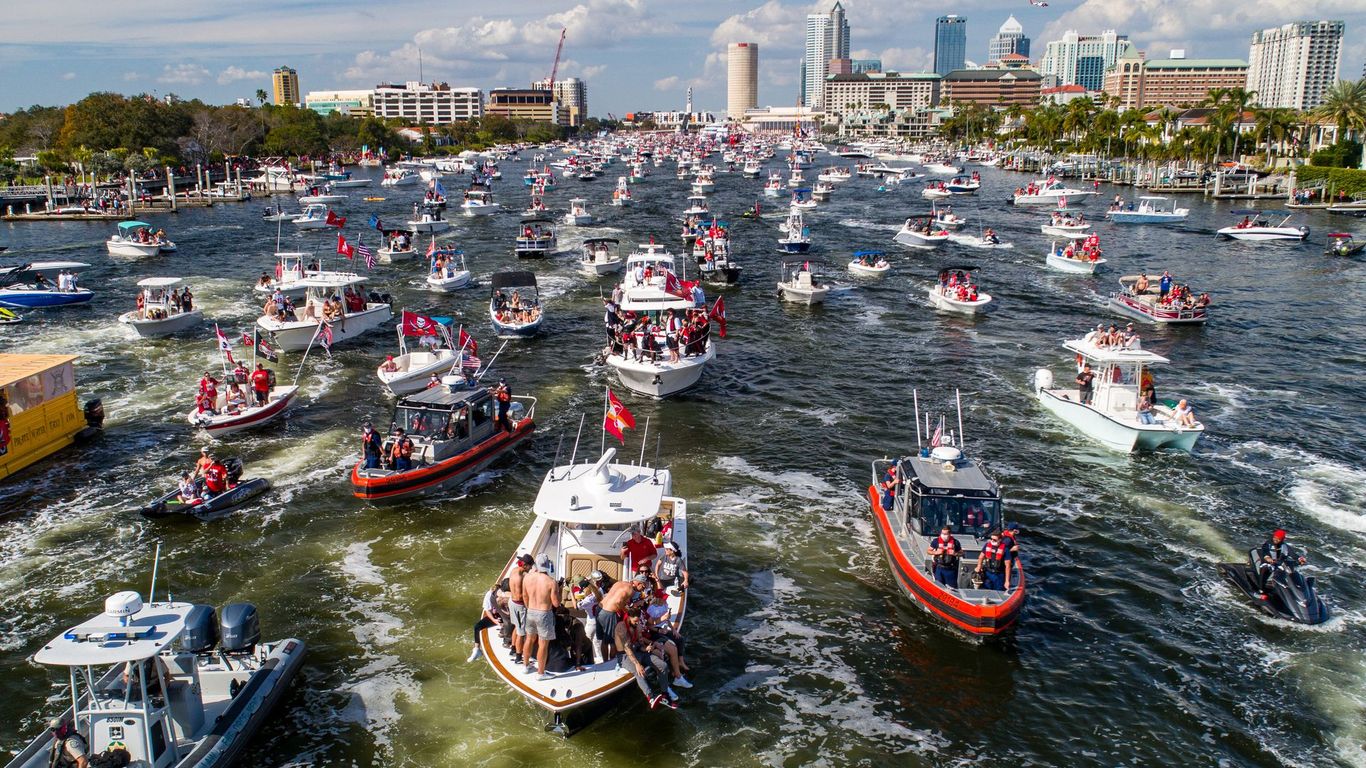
<point>1290,595</point>
<point>239,492</point>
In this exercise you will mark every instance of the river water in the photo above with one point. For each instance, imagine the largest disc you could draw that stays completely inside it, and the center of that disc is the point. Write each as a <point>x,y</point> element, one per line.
<point>1131,649</point>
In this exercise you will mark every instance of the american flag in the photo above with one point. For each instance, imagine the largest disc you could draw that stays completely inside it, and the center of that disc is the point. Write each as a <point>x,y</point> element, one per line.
<point>364,252</point>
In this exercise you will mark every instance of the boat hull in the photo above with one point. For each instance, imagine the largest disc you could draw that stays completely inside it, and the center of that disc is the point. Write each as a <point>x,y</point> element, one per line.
<point>663,379</point>
<point>132,249</point>
<point>385,485</point>
<point>454,283</point>
<point>807,296</point>
<point>1263,234</point>
<point>39,299</point>
<point>219,426</point>
<point>151,329</point>
<point>1072,266</point>
<point>1114,434</point>
<point>916,240</point>
<point>1133,217</point>
<point>296,336</point>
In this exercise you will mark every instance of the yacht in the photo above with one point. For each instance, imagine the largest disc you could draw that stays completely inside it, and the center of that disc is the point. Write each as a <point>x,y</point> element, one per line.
<point>1050,192</point>
<point>645,292</point>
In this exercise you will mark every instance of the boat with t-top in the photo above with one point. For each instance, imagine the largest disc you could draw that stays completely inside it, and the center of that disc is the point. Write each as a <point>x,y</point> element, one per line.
<point>652,292</point>
<point>156,315</point>
<point>355,312</point>
<point>1150,209</point>
<point>1256,227</point>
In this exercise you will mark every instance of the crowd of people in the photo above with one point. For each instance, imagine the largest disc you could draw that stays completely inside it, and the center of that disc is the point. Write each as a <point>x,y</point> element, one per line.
<point>515,309</point>
<point>642,336</point>
<point>66,282</point>
<point>155,305</point>
<point>957,284</point>
<point>1087,249</point>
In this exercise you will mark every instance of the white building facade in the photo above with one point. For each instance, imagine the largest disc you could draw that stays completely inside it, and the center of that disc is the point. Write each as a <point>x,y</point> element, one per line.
<point>429,104</point>
<point>1293,65</point>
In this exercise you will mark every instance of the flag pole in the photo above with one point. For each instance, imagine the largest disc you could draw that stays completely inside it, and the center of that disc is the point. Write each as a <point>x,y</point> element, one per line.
<point>606,403</point>
<point>491,359</point>
<point>643,438</point>
<point>307,349</point>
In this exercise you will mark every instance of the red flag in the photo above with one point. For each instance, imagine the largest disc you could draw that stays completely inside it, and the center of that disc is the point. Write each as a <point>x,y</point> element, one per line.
<point>467,341</point>
<point>345,248</point>
<point>247,340</point>
<point>431,248</point>
<point>674,287</point>
<point>223,344</point>
<point>333,220</point>
<point>718,313</point>
<point>417,325</point>
<point>617,418</point>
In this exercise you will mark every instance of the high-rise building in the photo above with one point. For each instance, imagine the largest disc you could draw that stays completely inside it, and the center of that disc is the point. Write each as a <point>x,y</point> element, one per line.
<point>742,79</point>
<point>286,83</point>
<point>1083,59</point>
<point>421,103</point>
<point>1010,38</point>
<point>1172,82</point>
<point>571,94</point>
<point>816,58</point>
<point>950,43</point>
<point>1293,65</point>
<point>839,33</point>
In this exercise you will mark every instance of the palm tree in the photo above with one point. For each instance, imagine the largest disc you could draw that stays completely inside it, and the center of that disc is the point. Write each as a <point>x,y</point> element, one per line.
<point>1345,106</point>
<point>1276,124</point>
<point>261,97</point>
<point>1239,99</point>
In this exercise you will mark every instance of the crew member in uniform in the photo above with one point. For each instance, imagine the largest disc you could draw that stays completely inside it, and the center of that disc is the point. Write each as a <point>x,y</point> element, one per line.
<point>503,394</point>
<point>1275,552</point>
<point>402,451</point>
<point>946,552</point>
<point>994,563</point>
<point>68,746</point>
<point>371,446</point>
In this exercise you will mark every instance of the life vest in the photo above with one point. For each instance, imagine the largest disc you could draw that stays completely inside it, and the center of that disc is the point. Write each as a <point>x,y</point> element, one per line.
<point>504,395</point>
<point>995,556</point>
<point>63,759</point>
<point>951,550</point>
<point>403,447</point>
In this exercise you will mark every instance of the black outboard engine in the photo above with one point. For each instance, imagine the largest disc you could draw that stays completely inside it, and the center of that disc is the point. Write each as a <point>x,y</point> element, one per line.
<point>239,628</point>
<point>201,630</point>
<point>94,413</point>
<point>380,298</point>
<point>235,469</point>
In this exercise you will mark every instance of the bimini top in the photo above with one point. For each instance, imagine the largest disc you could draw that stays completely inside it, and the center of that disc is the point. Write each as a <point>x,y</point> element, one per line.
<point>331,280</point>
<point>17,367</point>
<point>160,282</point>
<point>513,279</point>
<point>126,631</point>
<point>538,220</point>
<point>596,240</point>
<point>946,469</point>
<point>1113,354</point>
<point>869,253</point>
<point>602,493</point>
<point>125,226</point>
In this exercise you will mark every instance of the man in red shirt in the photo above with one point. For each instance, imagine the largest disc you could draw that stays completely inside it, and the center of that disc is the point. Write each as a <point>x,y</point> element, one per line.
<point>641,550</point>
<point>215,478</point>
<point>260,384</point>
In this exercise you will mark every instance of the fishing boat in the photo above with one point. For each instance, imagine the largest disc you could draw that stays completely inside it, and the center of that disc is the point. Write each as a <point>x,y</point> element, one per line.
<point>1140,296</point>
<point>313,217</point>
<point>277,213</point>
<point>797,236</point>
<point>578,215</point>
<point>204,509</point>
<point>1151,209</point>
<point>956,292</point>
<point>291,269</point>
<point>1342,244</point>
<point>796,179</point>
<point>601,256</point>
<point>697,206</point>
<point>801,285</point>
<point>536,238</point>
<point>429,221</point>
<point>870,264</point>
<point>169,684</point>
<point>1073,260</point>
<point>1256,227</point>
<point>157,316</point>
<point>136,238</point>
<point>927,235</point>
<point>715,262</point>
<point>515,304</point>
<point>1050,192</point>
<point>448,272</point>
<point>455,434</point>
<point>913,498</point>
<point>621,196</point>
<point>1112,417</point>
<point>42,414</point>
<point>361,313</point>
<point>411,370</point>
<point>801,198</point>
<point>324,196</point>
<point>583,513</point>
<point>400,177</point>
<point>646,368</point>
<point>479,202</point>
<point>774,186</point>
<point>753,168</point>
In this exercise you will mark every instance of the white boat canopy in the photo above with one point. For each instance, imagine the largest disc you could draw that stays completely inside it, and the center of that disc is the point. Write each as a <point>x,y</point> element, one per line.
<point>1113,354</point>
<point>334,280</point>
<point>110,639</point>
<point>601,494</point>
<point>160,282</point>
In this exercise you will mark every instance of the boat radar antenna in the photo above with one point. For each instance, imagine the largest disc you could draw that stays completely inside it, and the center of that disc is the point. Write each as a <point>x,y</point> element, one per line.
<point>915,398</point>
<point>958,400</point>
<point>152,591</point>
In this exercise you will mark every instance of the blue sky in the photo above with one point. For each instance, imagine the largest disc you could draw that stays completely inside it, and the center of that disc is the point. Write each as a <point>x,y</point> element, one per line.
<point>635,54</point>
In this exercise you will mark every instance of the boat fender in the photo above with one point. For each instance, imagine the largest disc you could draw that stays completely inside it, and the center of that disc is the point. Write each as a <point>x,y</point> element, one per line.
<point>1043,379</point>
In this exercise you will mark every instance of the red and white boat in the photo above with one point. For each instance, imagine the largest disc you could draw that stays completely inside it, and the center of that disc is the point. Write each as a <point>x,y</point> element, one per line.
<point>226,422</point>
<point>1140,297</point>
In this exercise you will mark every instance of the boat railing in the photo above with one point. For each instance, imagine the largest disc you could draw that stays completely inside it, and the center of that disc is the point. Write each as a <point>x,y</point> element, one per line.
<point>531,409</point>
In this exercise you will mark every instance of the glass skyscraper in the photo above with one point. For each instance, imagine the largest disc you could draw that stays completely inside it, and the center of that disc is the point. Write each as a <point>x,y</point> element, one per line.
<point>950,44</point>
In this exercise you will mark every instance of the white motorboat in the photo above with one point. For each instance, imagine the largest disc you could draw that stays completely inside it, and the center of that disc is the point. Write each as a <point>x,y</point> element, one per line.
<point>400,177</point>
<point>647,368</point>
<point>753,168</point>
<point>929,235</point>
<point>822,191</point>
<point>578,215</point>
<point>398,248</point>
<point>797,236</point>
<point>449,271</point>
<point>1141,296</point>
<point>800,285</point>
<point>157,316</point>
<point>870,264</point>
<point>945,218</point>
<point>1071,259</point>
<point>313,217</point>
<point>697,206</point>
<point>1050,192</point>
<point>583,514</point>
<point>1112,416</point>
<point>956,292</point>
<point>703,184</point>
<point>411,370</point>
<point>964,185</point>
<point>429,221</point>
<point>1256,228</point>
<point>601,256</point>
<point>987,240</point>
<point>166,684</point>
<point>291,269</point>
<point>479,202</point>
<point>802,199</point>
<point>515,305</point>
<point>937,167</point>
<point>350,183</point>
<point>536,238</point>
<point>274,213</point>
<point>1151,209</point>
<point>796,179</point>
<point>135,238</point>
<point>1071,227</point>
<point>774,186</point>
<point>324,198</point>
<point>621,196</point>
<point>360,313</point>
<point>834,175</point>
<point>935,191</point>
<point>276,178</point>
<point>227,420</point>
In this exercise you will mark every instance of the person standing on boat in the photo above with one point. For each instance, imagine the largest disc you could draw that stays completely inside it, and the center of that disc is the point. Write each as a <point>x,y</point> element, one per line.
<point>994,563</point>
<point>517,605</point>
<point>1085,387</point>
<point>641,550</point>
<point>205,461</point>
<point>401,451</point>
<point>503,394</point>
<point>260,384</point>
<point>946,552</point>
<point>1164,286</point>
<point>542,598</point>
<point>371,446</point>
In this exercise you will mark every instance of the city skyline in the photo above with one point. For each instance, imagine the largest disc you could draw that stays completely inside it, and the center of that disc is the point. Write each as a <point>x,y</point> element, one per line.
<point>635,54</point>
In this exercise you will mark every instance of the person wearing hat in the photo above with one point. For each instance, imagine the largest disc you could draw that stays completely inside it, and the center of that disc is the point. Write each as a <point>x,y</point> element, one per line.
<point>671,570</point>
<point>542,598</point>
<point>371,446</point>
<point>517,604</point>
<point>389,365</point>
<point>261,381</point>
<point>205,461</point>
<point>68,746</point>
<point>994,563</point>
<point>488,618</point>
<point>1275,554</point>
<point>1010,534</point>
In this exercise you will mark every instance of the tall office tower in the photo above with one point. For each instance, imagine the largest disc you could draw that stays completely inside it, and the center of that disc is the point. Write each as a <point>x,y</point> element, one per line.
<point>1292,65</point>
<point>286,83</point>
<point>742,79</point>
<point>839,34</point>
<point>816,61</point>
<point>950,44</point>
<point>1010,38</point>
<point>1083,59</point>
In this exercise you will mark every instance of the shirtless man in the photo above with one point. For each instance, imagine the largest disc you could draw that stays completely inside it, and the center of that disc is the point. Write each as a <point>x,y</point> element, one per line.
<point>609,615</point>
<point>517,605</point>
<point>542,598</point>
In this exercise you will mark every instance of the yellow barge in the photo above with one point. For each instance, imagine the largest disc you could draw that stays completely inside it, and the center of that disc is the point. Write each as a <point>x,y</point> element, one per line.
<point>39,410</point>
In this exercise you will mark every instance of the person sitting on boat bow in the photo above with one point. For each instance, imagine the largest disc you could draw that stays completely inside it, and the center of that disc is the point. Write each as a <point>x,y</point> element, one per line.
<point>946,552</point>
<point>993,564</point>
<point>1275,554</point>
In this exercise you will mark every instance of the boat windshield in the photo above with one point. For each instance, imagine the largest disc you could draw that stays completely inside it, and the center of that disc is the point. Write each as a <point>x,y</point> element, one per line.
<point>966,515</point>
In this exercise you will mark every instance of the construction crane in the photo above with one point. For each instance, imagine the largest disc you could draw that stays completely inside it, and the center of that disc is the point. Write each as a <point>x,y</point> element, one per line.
<point>555,66</point>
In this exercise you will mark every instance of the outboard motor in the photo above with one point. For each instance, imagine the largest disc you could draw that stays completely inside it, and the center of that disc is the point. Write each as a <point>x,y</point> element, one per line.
<point>239,628</point>
<point>235,469</point>
<point>201,630</point>
<point>94,413</point>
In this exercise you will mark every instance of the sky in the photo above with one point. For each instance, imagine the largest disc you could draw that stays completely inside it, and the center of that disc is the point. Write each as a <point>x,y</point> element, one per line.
<point>634,54</point>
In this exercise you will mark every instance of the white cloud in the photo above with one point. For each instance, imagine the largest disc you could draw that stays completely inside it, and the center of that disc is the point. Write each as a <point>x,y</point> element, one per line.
<point>131,76</point>
<point>69,76</point>
<point>669,83</point>
<point>774,26</point>
<point>187,74</point>
<point>234,74</point>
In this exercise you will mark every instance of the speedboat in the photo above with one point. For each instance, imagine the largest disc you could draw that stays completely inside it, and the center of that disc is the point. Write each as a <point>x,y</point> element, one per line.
<point>1072,227</point>
<point>1077,261</point>
<point>583,513</point>
<point>703,184</point>
<point>935,191</point>
<point>1112,416</point>
<point>912,499</point>
<point>135,238</point>
<point>276,213</point>
<point>27,272</point>
<point>956,292</point>
<point>1140,297</point>
<point>801,198</point>
<point>963,185</point>
<point>938,167</point>
<point>479,202</point>
<point>834,175</point>
<point>225,421</point>
<point>158,316</point>
<point>411,370</point>
<point>1151,209</point>
<point>1286,593</point>
<point>168,684</point>
<point>34,296</point>
<point>646,369</point>
<point>313,217</point>
<point>400,177</point>
<point>1256,228</point>
<point>870,264</point>
<point>1342,244</point>
<point>536,238</point>
<point>578,215</point>
<point>752,169</point>
<point>798,236</point>
<point>931,235</point>
<point>987,240</point>
<point>429,221</point>
<point>945,218</point>
<point>822,191</point>
<point>448,272</point>
<point>290,271</point>
<point>800,285</point>
<point>601,256</point>
<point>398,247</point>
<point>1050,192</point>
<point>455,435</point>
<point>361,313</point>
<point>324,195</point>
<point>239,492</point>
<point>515,304</point>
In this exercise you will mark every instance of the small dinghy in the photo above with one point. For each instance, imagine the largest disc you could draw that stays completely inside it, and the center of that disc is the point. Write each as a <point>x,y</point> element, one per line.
<point>239,492</point>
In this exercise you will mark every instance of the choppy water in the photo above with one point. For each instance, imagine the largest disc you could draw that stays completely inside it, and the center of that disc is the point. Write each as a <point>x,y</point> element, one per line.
<point>1131,650</point>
